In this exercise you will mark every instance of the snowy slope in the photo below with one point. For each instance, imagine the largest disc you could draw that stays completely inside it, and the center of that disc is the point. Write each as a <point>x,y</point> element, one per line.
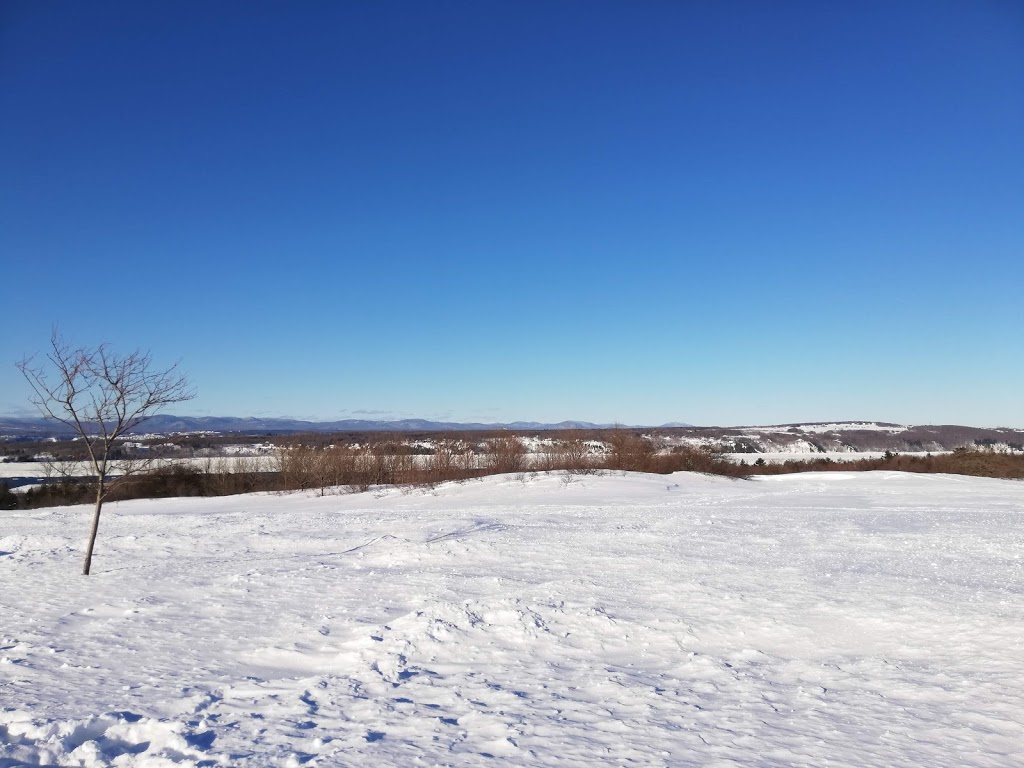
<point>842,619</point>
<point>837,426</point>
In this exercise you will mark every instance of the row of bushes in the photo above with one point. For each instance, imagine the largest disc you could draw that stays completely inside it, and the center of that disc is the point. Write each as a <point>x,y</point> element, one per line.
<point>164,482</point>
<point>327,469</point>
<point>976,462</point>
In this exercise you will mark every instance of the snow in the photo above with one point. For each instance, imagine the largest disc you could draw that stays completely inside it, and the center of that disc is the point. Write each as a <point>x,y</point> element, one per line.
<point>842,619</point>
<point>40,469</point>
<point>793,446</point>
<point>250,449</point>
<point>780,457</point>
<point>840,426</point>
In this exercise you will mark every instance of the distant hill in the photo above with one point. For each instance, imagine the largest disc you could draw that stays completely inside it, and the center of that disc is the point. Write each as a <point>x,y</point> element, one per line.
<point>848,436</point>
<point>807,437</point>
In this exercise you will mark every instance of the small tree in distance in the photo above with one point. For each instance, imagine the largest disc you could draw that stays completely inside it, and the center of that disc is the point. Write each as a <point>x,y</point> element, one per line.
<point>101,396</point>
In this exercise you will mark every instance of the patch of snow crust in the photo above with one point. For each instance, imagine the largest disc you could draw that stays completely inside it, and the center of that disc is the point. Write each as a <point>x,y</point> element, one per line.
<point>842,619</point>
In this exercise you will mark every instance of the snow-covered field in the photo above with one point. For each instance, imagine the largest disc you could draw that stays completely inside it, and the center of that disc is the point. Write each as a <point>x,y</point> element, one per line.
<point>840,619</point>
<point>40,469</point>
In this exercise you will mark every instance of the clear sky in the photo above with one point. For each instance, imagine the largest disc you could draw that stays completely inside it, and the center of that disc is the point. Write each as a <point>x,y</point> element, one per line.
<point>713,212</point>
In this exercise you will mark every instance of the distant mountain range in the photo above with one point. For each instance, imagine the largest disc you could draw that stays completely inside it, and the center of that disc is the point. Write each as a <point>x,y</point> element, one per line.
<point>166,424</point>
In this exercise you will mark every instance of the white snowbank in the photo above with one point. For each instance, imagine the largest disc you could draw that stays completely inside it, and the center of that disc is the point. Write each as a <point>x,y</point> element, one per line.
<point>843,619</point>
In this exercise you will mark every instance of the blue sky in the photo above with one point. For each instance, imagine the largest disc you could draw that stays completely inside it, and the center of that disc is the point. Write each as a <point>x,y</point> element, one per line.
<point>714,212</point>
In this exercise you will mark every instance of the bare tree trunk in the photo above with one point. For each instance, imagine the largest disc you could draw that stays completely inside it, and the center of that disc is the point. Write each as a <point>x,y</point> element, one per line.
<point>95,528</point>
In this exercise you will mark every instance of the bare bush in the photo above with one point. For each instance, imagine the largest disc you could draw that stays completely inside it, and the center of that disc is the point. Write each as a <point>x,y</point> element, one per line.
<point>685,458</point>
<point>300,467</point>
<point>575,454</point>
<point>505,454</point>
<point>629,451</point>
<point>550,457</point>
<point>468,461</point>
<point>444,463</point>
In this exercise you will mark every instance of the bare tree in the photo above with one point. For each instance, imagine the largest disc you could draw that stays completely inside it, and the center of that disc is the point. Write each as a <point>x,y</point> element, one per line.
<point>444,462</point>
<point>101,396</point>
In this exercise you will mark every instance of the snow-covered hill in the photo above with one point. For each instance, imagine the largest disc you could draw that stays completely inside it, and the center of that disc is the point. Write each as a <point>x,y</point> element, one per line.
<point>861,619</point>
<point>847,437</point>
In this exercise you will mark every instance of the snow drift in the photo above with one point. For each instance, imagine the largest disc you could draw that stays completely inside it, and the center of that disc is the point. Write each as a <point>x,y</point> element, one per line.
<point>848,619</point>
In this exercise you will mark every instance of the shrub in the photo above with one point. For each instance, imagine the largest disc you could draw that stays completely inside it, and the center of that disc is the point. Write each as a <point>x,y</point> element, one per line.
<point>504,454</point>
